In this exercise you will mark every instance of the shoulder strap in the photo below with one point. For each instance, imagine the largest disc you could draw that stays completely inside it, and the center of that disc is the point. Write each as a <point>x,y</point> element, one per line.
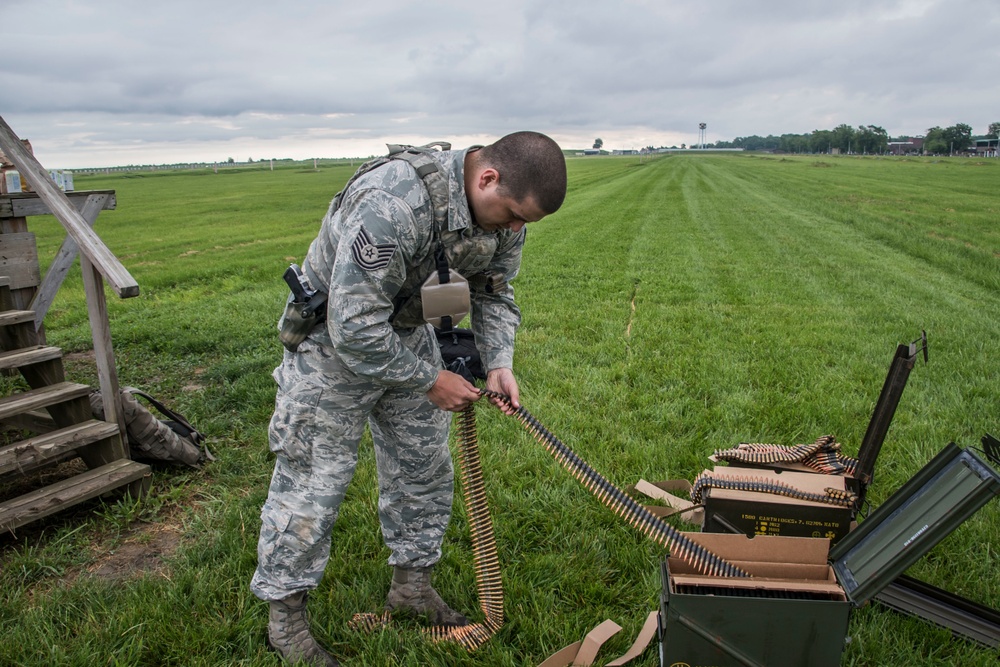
<point>429,171</point>
<point>362,170</point>
<point>195,436</point>
<point>421,158</point>
<point>427,168</point>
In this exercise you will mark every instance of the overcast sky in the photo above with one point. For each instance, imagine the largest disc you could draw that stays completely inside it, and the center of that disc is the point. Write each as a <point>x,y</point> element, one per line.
<point>110,82</point>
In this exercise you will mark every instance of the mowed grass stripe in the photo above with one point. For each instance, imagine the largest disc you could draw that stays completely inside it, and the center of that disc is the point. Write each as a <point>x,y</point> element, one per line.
<point>939,211</point>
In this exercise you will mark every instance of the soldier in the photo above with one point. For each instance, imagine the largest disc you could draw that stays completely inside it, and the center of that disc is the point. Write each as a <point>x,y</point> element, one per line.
<point>376,361</point>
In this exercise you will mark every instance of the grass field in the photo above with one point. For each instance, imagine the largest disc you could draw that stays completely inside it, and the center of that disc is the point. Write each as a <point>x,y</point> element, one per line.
<point>673,306</point>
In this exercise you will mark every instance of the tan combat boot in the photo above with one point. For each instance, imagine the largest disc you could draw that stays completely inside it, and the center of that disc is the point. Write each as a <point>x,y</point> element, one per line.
<point>289,636</point>
<point>411,592</point>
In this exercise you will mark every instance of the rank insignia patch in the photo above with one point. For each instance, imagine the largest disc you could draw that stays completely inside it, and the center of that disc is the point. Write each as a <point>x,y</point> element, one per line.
<point>368,255</point>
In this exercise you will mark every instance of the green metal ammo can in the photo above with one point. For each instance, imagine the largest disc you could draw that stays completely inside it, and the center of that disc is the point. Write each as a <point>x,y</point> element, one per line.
<point>795,609</point>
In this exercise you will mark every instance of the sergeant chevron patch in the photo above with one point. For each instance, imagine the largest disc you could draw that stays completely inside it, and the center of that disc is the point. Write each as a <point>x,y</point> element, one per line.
<point>368,255</point>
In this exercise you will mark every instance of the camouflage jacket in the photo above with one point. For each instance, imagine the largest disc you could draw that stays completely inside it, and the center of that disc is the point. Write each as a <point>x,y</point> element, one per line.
<point>374,253</point>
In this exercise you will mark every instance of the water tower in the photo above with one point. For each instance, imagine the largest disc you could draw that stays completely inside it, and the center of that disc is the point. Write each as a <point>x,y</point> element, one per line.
<point>701,134</point>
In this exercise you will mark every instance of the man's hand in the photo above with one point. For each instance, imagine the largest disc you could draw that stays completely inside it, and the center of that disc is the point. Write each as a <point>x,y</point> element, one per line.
<point>452,392</point>
<point>501,380</point>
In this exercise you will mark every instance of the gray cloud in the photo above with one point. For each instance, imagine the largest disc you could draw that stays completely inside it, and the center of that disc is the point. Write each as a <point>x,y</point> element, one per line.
<point>96,82</point>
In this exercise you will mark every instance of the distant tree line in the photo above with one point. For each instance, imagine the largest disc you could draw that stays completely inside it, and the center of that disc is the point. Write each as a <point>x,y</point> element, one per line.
<point>870,139</point>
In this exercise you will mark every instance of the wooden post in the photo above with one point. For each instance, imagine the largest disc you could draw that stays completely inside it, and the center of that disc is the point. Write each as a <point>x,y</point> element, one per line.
<point>107,374</point>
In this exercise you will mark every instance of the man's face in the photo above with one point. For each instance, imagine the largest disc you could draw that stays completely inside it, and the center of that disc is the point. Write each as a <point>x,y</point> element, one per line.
<point>499,212</point>
<point>494,211</point>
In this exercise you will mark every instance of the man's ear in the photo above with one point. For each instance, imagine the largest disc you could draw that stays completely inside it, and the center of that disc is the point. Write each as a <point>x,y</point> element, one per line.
<point>487,177</point>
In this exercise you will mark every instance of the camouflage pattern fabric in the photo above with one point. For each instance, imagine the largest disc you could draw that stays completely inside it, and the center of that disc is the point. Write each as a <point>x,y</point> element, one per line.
<point>319,418</point>
<point>388,213</point>
<point>373,362</point>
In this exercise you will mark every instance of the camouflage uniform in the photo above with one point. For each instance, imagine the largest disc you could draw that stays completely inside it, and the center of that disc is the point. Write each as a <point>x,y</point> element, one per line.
<point>374,361</point>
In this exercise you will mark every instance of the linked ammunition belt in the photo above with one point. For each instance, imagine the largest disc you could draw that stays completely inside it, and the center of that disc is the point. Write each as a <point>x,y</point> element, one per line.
<point>621,504</point>
<point>484,550</point>
<point>822,456</point>
<point>831,496</point>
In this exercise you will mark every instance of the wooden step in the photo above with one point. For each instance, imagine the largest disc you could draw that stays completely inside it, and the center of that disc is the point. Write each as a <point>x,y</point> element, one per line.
<point>40,398</point>
<point>36,421</point>
<point>11,317</point>
<point>29,355</point>
<point>61,495</point>
<point>29,454</point>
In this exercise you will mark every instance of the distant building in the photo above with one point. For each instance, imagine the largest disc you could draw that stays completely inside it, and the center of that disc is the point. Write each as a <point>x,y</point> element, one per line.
<point>986,147</point>
<point>912,146</point>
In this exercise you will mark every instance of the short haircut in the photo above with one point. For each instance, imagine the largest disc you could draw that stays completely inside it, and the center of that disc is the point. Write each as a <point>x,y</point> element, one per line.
<point>529,164</point>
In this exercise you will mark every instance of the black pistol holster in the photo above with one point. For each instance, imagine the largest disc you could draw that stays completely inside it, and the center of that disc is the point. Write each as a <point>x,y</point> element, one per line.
<point>305,310</point>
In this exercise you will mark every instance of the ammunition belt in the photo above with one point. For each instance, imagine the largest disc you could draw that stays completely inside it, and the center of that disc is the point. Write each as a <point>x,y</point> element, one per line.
<point>621,504</point>
<point>823,455</point>
<point>484,549</point>
<point>831,496</point>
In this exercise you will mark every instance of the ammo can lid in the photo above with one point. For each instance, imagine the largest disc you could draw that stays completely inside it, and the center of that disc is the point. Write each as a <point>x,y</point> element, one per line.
<point>943,494</point>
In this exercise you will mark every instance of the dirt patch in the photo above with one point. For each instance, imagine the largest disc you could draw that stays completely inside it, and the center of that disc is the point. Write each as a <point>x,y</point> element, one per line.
<point>144,551</point>
<point>195,384</point>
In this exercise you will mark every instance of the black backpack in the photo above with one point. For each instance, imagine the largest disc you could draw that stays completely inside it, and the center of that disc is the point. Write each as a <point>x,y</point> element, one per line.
<point>460,354</point>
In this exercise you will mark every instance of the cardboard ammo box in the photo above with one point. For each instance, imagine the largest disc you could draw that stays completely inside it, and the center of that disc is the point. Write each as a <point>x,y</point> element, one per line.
<point>763,513</point>
<point>795,608</point>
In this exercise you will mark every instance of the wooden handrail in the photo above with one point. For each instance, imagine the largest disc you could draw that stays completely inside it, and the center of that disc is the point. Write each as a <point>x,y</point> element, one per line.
<point>90,244</point>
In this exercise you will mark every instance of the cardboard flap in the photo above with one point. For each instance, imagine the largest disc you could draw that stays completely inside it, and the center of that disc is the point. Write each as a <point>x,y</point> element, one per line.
<point>563,657</point>
<point>776,570</point>
<point>640,643</point>
<point>593,641</point>
<point>764,548</point>
<point>819,587</point>
<point>582,654</point>
<point>660,491</point>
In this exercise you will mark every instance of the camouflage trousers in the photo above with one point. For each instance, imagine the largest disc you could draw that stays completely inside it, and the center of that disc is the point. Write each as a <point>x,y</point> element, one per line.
<point>320,414</point>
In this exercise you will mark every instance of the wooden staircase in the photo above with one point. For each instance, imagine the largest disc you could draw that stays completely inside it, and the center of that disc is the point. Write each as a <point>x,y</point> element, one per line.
<point>61,414</point>
<point>45,420</point>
